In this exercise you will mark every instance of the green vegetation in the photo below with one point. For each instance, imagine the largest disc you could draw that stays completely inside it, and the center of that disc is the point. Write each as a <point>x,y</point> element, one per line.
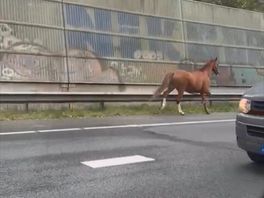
<point>112,110</point>
<point>255,5</point>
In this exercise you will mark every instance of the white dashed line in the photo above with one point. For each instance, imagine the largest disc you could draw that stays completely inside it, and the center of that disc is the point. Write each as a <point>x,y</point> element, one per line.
<point>17,132</point>
<point>58,130</point>
<point>117,161</point>
<point>112,127</point>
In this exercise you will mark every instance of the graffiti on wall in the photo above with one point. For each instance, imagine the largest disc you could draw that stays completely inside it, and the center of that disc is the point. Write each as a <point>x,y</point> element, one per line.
<point>95,57</point>
<point>21,66</point>
<point>141,49</point>
<point>105,46</point>
<point>128,47</point>
<point>92,69</point>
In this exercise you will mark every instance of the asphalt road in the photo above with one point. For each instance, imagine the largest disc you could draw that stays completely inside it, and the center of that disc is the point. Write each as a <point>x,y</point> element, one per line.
<point>194,156</point>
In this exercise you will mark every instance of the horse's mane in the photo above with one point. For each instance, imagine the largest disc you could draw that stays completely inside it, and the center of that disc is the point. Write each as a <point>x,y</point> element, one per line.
<point>205,65</point>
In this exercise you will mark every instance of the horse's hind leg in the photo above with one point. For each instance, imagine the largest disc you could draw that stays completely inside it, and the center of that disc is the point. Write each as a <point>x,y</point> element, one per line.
<point>165,93</point>
<point>206,108</point>
<point>178,100</point>
<point>163,104</point>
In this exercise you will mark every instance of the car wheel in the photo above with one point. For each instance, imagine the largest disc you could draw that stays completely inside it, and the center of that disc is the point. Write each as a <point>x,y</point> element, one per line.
<point>256,157</point>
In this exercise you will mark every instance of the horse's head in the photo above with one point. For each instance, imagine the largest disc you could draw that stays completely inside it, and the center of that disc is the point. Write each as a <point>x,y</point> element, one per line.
<point>214,66</point>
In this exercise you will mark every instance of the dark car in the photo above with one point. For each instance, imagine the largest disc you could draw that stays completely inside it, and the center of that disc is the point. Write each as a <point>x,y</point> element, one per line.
<point>250,123</point>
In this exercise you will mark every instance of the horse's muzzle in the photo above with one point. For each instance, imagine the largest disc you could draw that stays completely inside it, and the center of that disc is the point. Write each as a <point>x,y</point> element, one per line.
<point>216,72</point>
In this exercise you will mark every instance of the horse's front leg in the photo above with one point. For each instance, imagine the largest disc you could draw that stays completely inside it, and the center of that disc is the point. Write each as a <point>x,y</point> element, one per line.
<point>210,101</point>
<point>180,109</point>
<point>204,103</point>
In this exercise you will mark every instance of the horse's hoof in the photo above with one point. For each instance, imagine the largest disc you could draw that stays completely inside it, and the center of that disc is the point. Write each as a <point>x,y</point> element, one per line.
<point>207,112</point>
<point>206,109</point>
<point>182,113</point>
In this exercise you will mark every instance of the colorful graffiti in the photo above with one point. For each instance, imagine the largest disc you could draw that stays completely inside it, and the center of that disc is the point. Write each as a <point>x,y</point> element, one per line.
<point>143,49</point>
<point>128,47</point>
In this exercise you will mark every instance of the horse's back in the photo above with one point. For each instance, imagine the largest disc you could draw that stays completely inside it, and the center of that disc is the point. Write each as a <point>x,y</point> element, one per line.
<point>189,81</point>
<point>182,76</point>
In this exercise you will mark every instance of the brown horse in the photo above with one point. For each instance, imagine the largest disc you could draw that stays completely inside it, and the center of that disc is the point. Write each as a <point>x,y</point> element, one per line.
<point>192,82</point>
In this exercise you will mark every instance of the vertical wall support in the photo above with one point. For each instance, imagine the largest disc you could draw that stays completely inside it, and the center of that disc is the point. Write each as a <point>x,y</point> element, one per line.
<point>65,45</point>
<point>183,31</point>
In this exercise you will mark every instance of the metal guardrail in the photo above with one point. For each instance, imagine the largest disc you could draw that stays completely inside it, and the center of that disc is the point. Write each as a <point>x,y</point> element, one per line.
<point>74,97</point>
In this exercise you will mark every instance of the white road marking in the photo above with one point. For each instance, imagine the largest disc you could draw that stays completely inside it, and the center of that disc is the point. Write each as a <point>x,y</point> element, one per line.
<point>112,127</point>
<point>117,161</point>
<point>118,126</point>
<point>58,130</point>
<point>17,132</point>
<point>158,124</point>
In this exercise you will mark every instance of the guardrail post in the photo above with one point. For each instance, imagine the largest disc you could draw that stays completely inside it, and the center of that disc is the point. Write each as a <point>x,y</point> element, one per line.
<point>102,105</point>
<point>27,107</point>
<point>70,106</point>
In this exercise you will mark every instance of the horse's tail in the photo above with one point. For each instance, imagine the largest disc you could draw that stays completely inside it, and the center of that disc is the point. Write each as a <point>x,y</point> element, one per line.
<point>164,85</point>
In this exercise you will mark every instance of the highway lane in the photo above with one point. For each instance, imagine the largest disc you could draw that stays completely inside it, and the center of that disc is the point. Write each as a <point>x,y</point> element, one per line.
<point>194,156</point>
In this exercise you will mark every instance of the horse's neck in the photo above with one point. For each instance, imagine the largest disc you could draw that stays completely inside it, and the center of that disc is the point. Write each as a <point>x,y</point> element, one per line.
<point>207,69</point>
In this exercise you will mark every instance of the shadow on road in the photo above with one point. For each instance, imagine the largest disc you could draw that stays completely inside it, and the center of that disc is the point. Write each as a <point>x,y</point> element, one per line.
<point>257,169</point>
